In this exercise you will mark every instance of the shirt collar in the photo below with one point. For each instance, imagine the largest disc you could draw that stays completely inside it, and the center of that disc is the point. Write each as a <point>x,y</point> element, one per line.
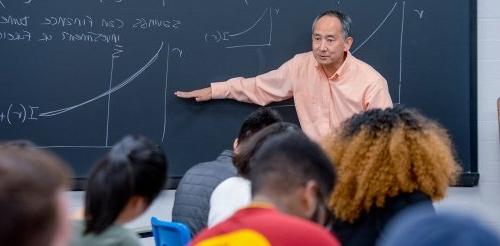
<point>345,66</point>
<point>261,205</point>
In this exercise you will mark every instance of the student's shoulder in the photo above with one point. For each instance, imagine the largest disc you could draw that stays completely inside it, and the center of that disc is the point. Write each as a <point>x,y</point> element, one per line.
<point>123,236</point>
<point>114,235</point>
<point>211,169</point>
<point>230,185</point>
<point>307,231</point>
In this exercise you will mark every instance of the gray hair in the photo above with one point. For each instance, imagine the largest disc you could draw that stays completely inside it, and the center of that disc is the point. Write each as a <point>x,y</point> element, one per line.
<point>345,20</point>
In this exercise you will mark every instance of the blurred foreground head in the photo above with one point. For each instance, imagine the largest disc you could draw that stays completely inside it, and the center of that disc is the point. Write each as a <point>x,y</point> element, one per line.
<point>129,177</point>
<point>288,170</point>
<point>420,227</point>
<point>33,207</point>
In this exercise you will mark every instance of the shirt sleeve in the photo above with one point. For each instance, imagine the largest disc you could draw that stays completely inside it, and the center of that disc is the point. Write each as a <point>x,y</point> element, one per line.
<point>378,96</point>
<point>216,206</point>
<point>263,89</point>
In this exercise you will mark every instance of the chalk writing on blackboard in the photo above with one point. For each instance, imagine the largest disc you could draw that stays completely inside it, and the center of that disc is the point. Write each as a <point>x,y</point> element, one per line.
<point>14,21</point>
<point>419,12</point>
<point>112,23</point>
<point>63,21</point>
<point>376,29</point>
<point>79,29</point>
<point>400,83</point>
<point>18,113</point>
<point>226,37</point>
<point>110,91</point>
<point>401,35</point>
<point>45,37</point>
<point>16,36</point>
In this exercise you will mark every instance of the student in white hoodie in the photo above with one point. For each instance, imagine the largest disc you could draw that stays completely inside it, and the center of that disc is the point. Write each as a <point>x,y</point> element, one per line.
<point>235,193</point>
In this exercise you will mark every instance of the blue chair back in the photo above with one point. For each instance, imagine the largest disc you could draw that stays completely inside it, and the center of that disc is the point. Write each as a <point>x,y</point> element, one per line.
<point>170,233</point>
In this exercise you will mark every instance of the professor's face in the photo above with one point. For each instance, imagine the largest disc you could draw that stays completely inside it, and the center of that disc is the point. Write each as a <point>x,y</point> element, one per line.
<point>328,42</point>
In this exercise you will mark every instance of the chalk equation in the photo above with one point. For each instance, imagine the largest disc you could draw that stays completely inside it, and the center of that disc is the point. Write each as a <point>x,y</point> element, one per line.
<point>18,114</point>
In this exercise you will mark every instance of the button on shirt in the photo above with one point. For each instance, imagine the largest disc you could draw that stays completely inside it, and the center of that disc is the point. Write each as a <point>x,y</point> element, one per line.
<point>322,103</point>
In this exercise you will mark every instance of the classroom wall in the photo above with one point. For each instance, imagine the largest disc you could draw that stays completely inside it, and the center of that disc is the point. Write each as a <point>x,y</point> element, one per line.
<point>482,200</point>
<point>485,198</point>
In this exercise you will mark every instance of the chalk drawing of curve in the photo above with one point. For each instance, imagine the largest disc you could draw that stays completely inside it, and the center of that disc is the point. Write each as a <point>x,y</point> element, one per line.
<point>108,92</point>
<point>267,12</point>
<point>376,29</point>
<point>400,81</point>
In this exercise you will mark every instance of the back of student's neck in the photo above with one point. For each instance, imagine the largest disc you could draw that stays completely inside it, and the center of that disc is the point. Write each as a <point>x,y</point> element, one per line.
<point>271,201</point>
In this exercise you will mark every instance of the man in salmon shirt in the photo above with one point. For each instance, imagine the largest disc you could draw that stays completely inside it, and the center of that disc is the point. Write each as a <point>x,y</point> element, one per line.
<point>328,84</point>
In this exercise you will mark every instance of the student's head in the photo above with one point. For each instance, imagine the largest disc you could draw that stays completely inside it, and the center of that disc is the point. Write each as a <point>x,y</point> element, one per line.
<point>418,227</point>
<point>21,143</point>
<point>331,38</point>
<point>247,150</point>
<point>257,120</point>
<point>384,152</point>
<point>33,206</point>
<point>293,173</point>
<point>124,183</point>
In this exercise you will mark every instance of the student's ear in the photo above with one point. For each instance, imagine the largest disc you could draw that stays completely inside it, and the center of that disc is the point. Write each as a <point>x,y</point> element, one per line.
<point>138,204</point>
<point>235,145</point>
<point>310,198</point>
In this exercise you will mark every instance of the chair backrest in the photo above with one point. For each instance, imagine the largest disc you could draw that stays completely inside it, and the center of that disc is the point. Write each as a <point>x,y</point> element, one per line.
<point>170,233</point>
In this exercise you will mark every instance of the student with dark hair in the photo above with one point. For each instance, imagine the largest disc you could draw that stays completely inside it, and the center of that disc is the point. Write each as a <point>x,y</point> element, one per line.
<point>387,160</point>
<point>234,193</point>
<point>295,174</point>
<point>33,206</point>
<point>291,179</point>
<point>121,187</point>
<point>192,197</point>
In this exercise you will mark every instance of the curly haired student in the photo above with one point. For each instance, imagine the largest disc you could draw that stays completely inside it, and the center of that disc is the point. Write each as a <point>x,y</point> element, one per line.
<point>387,160</point>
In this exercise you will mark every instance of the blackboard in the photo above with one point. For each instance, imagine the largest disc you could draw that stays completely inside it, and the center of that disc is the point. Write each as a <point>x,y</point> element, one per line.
<point>77,75</point>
